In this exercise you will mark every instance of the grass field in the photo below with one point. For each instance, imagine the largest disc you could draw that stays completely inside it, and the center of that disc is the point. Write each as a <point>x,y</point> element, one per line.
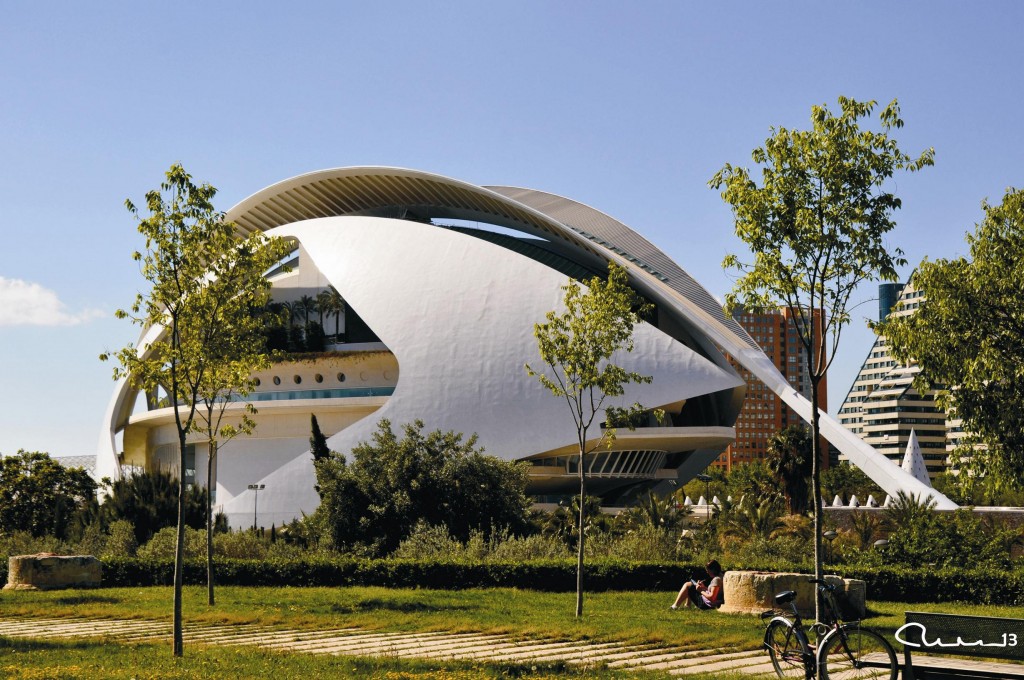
<point>627,617</point>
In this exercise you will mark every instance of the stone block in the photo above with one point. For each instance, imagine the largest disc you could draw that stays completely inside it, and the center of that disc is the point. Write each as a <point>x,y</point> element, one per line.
<point>52,572</point>
<point>752,592</point>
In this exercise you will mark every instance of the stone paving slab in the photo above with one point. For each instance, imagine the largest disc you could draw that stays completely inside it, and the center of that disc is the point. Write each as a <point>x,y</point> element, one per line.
<point>435,645</point>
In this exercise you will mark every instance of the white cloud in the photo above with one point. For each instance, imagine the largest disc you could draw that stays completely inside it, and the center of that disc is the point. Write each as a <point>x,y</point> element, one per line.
<point>23,303</point>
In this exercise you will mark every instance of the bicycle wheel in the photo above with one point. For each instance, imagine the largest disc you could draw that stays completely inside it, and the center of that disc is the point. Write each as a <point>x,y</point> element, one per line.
<point>784,649</point>
<point>857,654</point>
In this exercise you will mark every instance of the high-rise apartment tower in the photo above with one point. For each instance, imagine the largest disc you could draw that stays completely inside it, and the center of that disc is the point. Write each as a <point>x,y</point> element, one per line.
<point>763,412</point>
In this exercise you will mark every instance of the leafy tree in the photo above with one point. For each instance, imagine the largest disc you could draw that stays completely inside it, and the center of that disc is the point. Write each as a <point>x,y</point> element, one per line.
<point>752,480</point>
<point>720,485</point>
<point>816,227</point>
<point>149,500</point>
<point>391,483</point>
<point>235,347</point>
<point>41,496</point>
<point>968,334</point>
<point>577,346</point>
<point>920,535</point>
<point>789,458</point>
<point>845,480</point>
<point>190,258</point>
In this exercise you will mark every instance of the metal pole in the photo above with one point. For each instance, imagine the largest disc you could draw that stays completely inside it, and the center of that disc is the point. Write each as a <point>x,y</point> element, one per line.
<point>255,488</point>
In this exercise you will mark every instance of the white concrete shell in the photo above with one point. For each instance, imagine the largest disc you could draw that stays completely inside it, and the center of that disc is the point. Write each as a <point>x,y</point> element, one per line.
<point>457,309</point>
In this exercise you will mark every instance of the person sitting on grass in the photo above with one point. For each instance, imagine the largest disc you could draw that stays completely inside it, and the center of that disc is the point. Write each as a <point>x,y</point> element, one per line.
<point>702,595</point>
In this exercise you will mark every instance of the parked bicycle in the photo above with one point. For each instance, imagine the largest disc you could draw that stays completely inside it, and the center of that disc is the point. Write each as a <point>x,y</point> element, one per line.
<point>843,650</point>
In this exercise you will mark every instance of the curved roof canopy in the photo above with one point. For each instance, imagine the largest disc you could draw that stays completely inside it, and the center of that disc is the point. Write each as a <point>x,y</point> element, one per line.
<point>402,193</point>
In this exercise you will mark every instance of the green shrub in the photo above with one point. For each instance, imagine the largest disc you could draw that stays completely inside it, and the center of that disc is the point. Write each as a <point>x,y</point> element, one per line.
<point>120,540</point>
<point>526,548</point>
<point>242,545</point>
<point>163,544</point>
<point>644,543</point>
<point>429,542</point>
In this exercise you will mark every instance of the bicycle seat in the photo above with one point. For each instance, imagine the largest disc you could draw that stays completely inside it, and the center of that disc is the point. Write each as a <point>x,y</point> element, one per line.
<point>785,597</point>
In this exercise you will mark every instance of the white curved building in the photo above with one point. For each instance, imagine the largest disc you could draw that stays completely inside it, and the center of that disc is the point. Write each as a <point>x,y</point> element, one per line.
<point>443,282</point>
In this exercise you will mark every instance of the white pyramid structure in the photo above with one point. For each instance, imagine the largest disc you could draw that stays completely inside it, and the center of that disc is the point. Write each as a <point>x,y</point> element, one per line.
<point>837,502</point>
<point>871,503</point>
<point>854,503</point>
<point>913,461</point>
<point>687,501</point>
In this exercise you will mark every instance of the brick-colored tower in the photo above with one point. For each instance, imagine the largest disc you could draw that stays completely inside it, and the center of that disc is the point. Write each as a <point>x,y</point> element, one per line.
<point>763,412</point>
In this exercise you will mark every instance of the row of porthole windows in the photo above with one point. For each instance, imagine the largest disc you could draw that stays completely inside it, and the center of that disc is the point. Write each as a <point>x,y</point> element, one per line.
<point>297,379</point>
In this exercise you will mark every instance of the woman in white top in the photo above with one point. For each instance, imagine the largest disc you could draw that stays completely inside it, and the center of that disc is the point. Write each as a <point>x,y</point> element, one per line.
<point>702,595</point>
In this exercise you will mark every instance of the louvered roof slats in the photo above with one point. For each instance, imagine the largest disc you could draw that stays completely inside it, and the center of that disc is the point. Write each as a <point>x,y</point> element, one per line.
<point>299,205</point>
<point>263,217</point>
<point>362,194</point>
<point>316,206</point>
<point>329,200</point>
<point>400,192</point>
<point>283,210</point>
<point>345,199</point>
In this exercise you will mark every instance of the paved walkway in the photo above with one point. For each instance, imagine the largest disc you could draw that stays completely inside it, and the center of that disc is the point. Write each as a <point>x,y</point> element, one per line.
<point>361,642</point>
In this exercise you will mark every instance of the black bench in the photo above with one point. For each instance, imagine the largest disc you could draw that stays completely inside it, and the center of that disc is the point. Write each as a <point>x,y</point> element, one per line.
<point>955,635</point>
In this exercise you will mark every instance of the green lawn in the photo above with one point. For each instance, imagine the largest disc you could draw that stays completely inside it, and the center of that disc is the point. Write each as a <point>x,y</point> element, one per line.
<point>624,616</point>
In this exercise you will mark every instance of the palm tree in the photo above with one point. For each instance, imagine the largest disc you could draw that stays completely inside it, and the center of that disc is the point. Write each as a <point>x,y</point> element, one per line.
<point>323,304</point>
<point>746,520</point>
<point>789,458</point>
<point>655,511</point>
<point>292,308</point>
<point>307,305</point>
<point>335,304</point>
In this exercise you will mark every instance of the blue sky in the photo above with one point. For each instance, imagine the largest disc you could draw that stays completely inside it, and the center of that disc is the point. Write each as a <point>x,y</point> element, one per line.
<point>628,107</point>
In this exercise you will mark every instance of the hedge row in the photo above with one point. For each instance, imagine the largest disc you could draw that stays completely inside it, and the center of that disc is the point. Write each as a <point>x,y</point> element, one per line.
<point>884,583</point>
<point>553,576</point>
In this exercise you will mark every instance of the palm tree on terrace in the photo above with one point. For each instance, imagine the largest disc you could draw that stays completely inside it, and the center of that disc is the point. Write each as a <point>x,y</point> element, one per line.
<point>323,304</point>
<point>292,308</point>
<point>335,305</point>
<point>307,305</point>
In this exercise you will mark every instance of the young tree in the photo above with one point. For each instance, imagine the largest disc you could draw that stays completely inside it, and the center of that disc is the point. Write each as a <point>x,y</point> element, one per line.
<point>816,227</point>
<point>577,346</point>
<point>968,335</point>
<point>235,299</point>
<point>189,260</point>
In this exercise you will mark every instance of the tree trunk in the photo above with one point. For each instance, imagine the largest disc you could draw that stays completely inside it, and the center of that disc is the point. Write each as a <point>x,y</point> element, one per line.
<point>816,491</point>
<point>211,465</point>
<point>579,556</point>
<point>179,547</point>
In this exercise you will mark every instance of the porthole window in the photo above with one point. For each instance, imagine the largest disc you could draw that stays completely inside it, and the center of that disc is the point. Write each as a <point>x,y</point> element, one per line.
<point>297,379</point>
<point>277,380</point>
<point>319,378</point>
<point>256,382</point>
<point>341,377</point>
